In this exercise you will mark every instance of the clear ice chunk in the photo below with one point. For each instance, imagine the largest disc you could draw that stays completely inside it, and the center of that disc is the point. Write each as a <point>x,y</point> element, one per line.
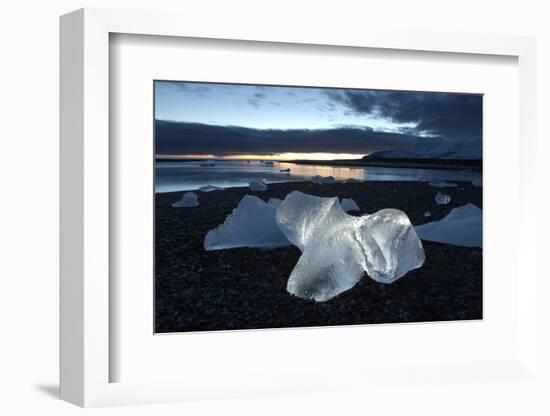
<point>327,268</point>
<point>348,204</point>
<point>251,224</point>
<point>338,248</point>
<point>461,227</point>
<point>390,244</point>
<point>188,200</point>
<point>257,186</point>
<point>442,199</point>
<point>321,180</point>
<point>303,218</point>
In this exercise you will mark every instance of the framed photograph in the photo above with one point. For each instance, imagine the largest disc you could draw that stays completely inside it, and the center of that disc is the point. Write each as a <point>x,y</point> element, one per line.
<point>272,203</point>
<point>269,212</point>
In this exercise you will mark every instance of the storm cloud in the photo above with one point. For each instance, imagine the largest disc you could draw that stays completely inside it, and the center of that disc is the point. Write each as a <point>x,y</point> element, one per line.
<point>454,117</point>
<point>174,137</point>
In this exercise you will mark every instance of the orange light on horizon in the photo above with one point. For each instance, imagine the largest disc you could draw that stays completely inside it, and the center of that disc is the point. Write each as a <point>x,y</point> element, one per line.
<point>277,156</point>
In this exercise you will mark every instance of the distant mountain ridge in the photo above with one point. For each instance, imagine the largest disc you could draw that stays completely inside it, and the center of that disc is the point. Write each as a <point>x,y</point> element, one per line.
<point>452,151</point>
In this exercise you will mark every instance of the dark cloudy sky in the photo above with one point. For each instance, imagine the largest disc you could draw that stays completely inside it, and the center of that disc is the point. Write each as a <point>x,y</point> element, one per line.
<point>229,119</point>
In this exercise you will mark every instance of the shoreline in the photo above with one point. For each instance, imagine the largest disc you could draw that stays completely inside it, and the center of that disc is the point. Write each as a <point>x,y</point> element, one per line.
<point>244,288</point>
<point>303,183</point>
<point>450,164</point>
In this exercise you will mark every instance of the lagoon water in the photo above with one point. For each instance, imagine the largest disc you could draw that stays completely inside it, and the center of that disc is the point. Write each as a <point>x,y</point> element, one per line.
<point>188,176</point>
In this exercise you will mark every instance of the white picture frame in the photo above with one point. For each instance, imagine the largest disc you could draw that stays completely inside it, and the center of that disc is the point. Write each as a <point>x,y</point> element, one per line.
<point>85,210</point>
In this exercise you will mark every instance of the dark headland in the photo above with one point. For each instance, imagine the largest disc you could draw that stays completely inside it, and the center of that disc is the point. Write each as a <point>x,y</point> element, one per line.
<point>473,164</point>
<point>454,164</point>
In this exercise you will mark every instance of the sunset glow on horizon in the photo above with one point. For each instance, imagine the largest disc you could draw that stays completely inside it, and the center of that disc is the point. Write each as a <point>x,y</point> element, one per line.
<point>277,156</point>
<point>243,121</point>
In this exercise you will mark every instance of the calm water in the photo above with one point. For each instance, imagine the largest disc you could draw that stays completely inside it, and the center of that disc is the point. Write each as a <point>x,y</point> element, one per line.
<point>187,176</point>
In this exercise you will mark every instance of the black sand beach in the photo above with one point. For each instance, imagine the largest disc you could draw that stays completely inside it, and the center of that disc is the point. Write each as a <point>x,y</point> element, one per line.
<point>198,290</point>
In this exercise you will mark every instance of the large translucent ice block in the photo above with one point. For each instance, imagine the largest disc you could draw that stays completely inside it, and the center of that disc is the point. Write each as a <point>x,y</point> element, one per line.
<point>338,248</point>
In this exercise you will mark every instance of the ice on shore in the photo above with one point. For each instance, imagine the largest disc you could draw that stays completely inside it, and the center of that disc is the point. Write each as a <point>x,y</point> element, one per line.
<point>461,227</point>
<point>188,200</point>
<point>321,180</point>
<point>442,199</point>
<point>303,218</point>
<point>210,188</point>
<point>338,248</point>
<point>257,186</point>
<point>251,224</point>
<point>443,184</point>
<point>274,202</point>
<point>348,204</point>
<point>391,245</point>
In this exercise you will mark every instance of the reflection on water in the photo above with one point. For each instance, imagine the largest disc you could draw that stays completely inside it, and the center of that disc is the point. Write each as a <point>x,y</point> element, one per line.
<point>186,176</point>
<point>339,173</point>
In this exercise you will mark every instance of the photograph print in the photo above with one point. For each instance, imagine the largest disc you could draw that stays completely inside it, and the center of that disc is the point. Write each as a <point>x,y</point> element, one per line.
<point>299,206</point>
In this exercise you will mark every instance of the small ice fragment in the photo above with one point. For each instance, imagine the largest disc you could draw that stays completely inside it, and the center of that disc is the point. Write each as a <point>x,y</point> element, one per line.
<point>477,182</point>
<point>251,224</point>
<point>461,227</point>
<point>321,180</point>
<point>348,204</point>
<point>442,199</point>
<point>257,186</point>
<point>338,248</point>
<point>427,214</point>
<point>210,188</point>
<point>443,184</point>
<point>270,163</point>
<point>188,200</point>
<point>208,163</point>
<point>274,202</point>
